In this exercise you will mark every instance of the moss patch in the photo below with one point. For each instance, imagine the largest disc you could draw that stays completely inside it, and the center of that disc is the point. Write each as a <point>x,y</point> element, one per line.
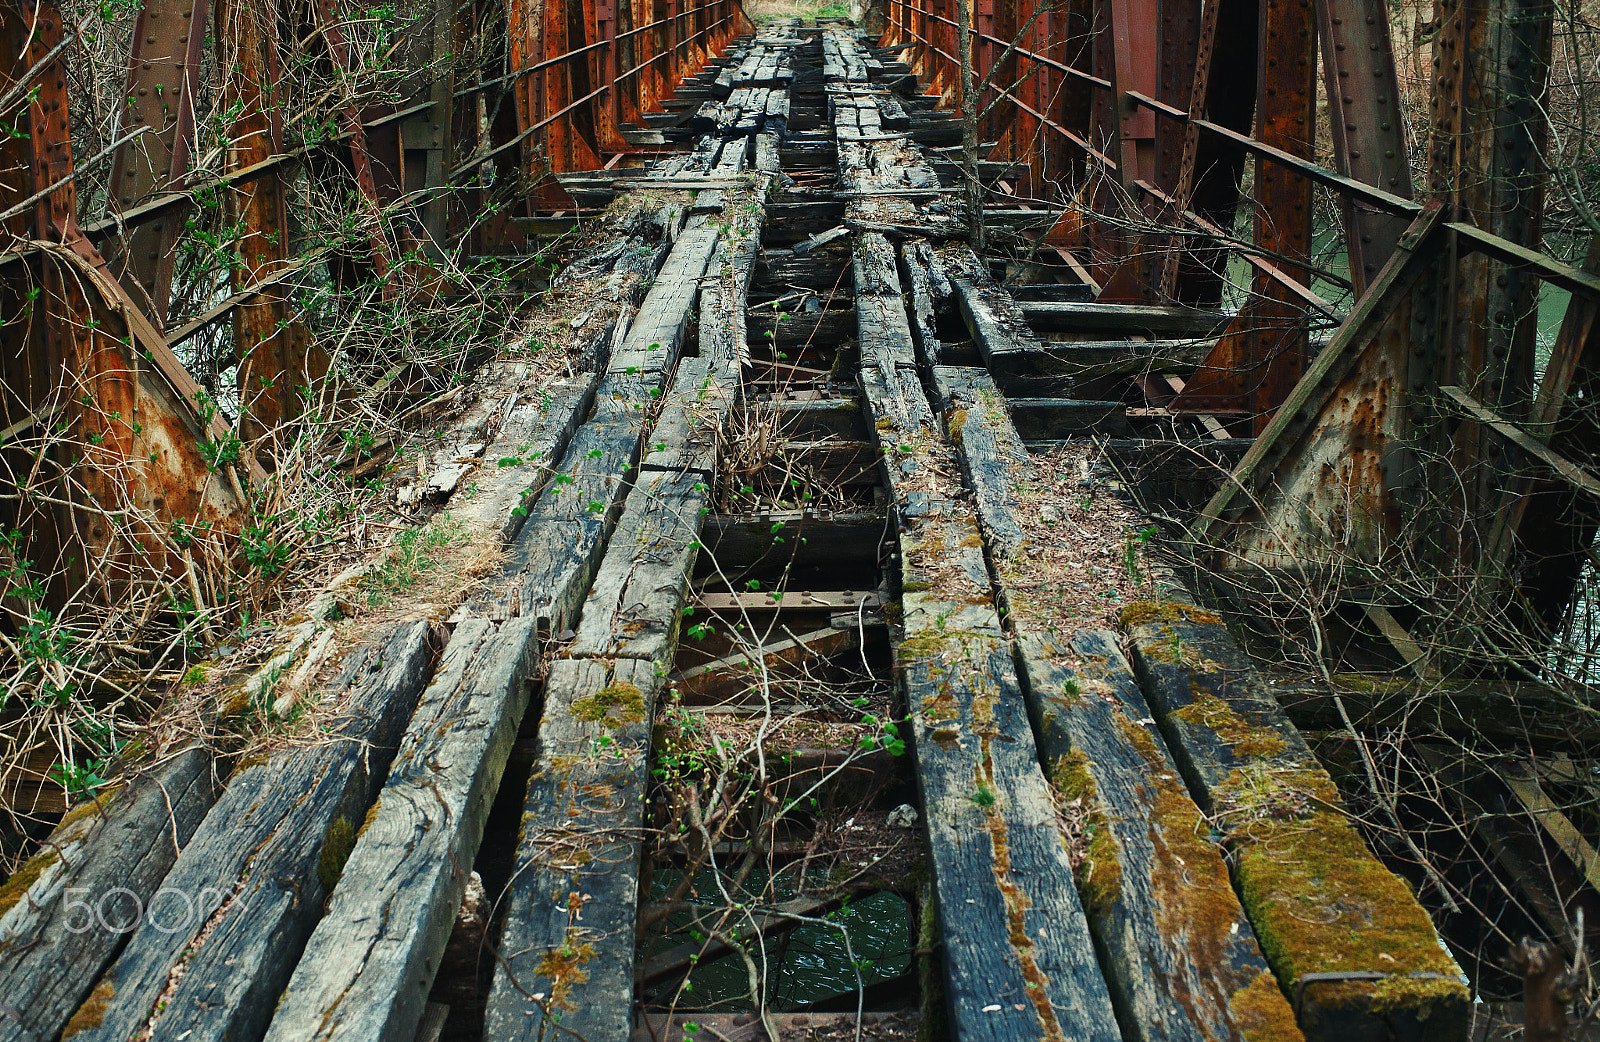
<point>1247,742</point>
<point>93,1010</point>
<point>25,877</point>
<point>336,848</point>
<point>563,967</point>
<point>1141,612</point>
<point>1194,898</point>
<point>1321,902</point>
<point>612,706</point>
<point>1099,865</point>
<point>1261,1012</point>
<point>958,421</point>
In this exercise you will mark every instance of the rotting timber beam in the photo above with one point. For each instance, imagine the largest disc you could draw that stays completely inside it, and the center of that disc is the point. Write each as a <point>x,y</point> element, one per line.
<point>1023,964</point>
<point>267,855</point>
<point>1339,928</point>
<point>1180,954</point>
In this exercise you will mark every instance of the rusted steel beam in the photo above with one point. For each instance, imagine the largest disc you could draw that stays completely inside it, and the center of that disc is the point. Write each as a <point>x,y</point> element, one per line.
<point>163,78</point>
<point>1486,165</point>
<point>1326,452</point>
<point>1544,529</point>
<point>1258,361</point>
<point>87,374</point>
<point>1210,169</point>
<point>276,364</point>
<point>361,163</point>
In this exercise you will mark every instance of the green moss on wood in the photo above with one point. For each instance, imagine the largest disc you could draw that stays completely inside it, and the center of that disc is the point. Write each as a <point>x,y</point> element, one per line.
<point>612,706</point>
<point>1261,1013</point>
<point>1141,612</point>
<point>23,878</point>
<point>958,421</point>
<point>336,847</point>
<point>1320,901</point>
<point>93,1010</point>
<point>1099,869</point>
<point>1246,741</point>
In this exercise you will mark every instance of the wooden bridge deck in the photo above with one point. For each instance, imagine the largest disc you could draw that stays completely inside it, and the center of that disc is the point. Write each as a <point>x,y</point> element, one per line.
<point>1126,837</point>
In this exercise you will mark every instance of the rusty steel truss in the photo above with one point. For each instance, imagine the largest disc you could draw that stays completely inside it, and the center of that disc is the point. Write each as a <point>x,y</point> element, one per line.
<point>88,325</point>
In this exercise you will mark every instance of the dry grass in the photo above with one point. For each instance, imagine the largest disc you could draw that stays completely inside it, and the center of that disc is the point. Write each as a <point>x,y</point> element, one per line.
<point>1086,554</point>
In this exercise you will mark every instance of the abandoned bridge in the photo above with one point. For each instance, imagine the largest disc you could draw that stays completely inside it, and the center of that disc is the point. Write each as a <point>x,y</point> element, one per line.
<point>670,520</point>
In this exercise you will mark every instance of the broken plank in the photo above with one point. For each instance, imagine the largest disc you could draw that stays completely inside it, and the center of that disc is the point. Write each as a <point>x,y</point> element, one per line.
<point>262,863</point>
<point>368,967</point>
<point>727,677</point>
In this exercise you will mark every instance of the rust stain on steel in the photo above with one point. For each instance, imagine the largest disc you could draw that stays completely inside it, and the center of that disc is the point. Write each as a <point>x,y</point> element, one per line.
<point>125,436</point>
<point>163,76</point>
<point>1336,497</point>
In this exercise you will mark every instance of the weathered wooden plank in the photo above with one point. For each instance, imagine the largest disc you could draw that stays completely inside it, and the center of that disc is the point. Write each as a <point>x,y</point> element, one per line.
<point>1040,418</point>
<point>548,568</point>
<point>995,320</point>
<point>568,946</point>
<point>271,849</point>
<point>632,608</point>
<point>1320,901</point>
<point>847,539</point>
<point>657,332</point>
<point>104,863</point>
<point>369,965</point>
<point>1180,952</point>
<point>993,457</point>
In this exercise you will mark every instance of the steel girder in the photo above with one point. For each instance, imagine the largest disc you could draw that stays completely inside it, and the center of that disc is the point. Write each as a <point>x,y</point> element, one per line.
<point>105,418</point>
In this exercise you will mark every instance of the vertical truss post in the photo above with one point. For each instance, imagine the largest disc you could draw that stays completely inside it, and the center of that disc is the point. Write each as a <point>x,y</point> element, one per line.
<point>1260,358</point>
<point>361,164</point>
<point>1075,48</point>
<point>608,109</point>
<point>275,365</point>
<point>426,140</point>
<point>599,20</point>
<point>1485,165</point>
<point>163,75</point>
<point>1366,123</point>
<point>1209,173</point>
